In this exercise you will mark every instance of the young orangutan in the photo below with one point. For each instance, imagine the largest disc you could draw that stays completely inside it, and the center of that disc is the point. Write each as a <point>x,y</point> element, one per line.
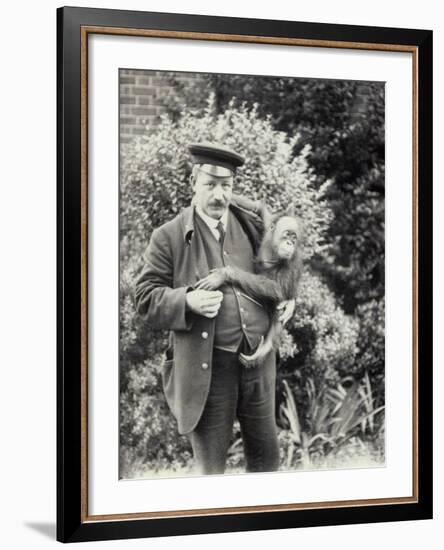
<point>278,268</point>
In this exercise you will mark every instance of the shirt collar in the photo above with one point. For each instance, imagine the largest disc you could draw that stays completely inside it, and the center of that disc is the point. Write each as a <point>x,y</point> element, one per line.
<point>211,222</point>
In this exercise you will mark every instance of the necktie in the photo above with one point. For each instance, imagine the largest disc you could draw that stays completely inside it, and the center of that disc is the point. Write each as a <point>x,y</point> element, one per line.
<point>220,228</point>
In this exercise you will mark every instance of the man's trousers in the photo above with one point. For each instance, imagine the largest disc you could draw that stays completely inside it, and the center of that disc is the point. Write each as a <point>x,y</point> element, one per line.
<point>249,395</point>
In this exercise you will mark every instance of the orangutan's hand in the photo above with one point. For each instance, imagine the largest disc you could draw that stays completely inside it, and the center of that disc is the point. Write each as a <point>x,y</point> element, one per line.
<point>286,309</point>
<point>214,280</point>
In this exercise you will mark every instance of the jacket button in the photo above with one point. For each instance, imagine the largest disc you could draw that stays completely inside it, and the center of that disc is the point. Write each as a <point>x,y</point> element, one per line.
<point>204,366</point>
<point>204,335</point>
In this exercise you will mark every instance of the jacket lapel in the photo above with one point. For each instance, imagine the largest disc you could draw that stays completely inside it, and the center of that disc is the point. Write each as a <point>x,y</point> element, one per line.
<point>192,241</point>
<point>198,265</point>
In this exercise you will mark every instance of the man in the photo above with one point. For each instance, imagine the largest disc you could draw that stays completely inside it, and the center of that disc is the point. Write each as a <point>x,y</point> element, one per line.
<point>205,385</point>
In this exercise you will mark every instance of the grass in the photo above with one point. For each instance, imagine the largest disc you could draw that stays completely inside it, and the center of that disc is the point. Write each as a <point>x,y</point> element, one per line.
<point>344,429</point>
<point>353,454</point>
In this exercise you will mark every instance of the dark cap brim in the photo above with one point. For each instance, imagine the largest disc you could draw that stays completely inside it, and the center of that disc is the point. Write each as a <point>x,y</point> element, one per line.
<point>217,155</point>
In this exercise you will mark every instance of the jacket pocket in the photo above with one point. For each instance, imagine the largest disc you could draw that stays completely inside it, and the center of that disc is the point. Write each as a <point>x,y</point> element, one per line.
<point>251,299</point>
<point>169,354</point>
<point>167,366</point>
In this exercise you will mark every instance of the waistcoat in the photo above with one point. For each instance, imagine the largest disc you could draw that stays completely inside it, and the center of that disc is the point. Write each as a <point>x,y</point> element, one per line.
<point>239,315</point>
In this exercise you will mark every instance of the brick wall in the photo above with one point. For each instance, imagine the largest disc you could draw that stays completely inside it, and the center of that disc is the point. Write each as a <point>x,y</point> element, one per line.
<point>141,94</point>
<point>142,91</point>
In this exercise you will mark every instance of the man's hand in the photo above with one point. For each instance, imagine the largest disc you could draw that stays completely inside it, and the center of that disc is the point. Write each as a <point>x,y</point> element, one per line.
<point>204,302</point>
<point>215,279</point>
<point>286,309</point>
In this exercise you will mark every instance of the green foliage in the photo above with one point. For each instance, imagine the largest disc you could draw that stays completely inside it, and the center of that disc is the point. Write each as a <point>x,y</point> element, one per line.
<point>326,336</point>
<point>147,428</point>
<point>334,416</point>
<point>343,124</point>
<point>155,173</point>
<point>321,342</point>
<point>371,353</point>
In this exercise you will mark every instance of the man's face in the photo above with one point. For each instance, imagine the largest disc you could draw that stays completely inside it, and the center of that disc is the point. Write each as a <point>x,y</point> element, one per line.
<point>212,193</point>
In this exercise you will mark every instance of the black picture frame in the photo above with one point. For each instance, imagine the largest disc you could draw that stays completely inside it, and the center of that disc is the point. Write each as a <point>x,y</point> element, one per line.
<point>73,523</point>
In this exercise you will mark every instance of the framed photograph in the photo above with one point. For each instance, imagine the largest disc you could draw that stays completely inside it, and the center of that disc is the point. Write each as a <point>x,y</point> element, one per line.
<point>244,274</point>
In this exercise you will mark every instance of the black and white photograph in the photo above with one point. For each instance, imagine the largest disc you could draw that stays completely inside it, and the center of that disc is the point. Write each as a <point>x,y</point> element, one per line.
<point>252,280</point>
<point>221,224</point>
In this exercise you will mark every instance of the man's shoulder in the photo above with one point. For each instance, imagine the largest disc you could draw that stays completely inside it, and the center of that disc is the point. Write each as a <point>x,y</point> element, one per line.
<point>247,216</point>
<point>251,223</point>
<point>246,204</point>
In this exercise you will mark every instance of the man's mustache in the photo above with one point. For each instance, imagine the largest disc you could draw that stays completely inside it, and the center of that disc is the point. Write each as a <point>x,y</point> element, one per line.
<point>217,203</point>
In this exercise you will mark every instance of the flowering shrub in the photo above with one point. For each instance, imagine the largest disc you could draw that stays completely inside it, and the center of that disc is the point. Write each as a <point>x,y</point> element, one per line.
<point>147,427</point>
<point>155,169</point>
<point>333,349</point>
<point>343,121</point>
<point>371,354</point>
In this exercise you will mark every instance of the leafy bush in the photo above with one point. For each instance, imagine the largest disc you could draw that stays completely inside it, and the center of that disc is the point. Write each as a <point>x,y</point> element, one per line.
<point>334,416</point>
<point>320,341</point>
<point>371,350</point>
<point>156,168</point>
<point>147,427</point>
<point>343,123</point>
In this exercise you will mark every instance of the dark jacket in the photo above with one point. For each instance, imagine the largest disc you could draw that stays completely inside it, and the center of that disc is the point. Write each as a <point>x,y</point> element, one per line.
<point>172,266</point>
